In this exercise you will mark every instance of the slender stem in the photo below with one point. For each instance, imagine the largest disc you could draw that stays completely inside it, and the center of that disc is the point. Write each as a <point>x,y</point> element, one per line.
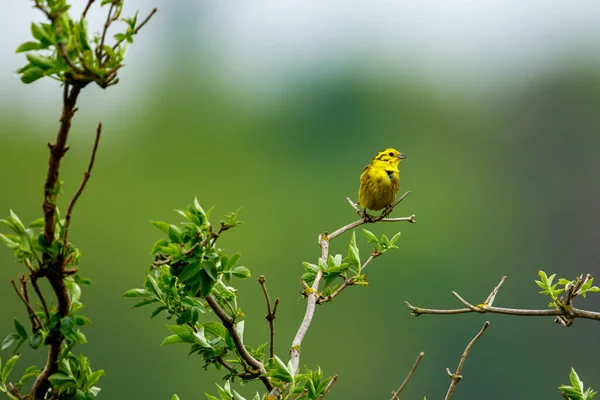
<point>36,287</point>
<point>456,377</point>
<point>87,7</point>
<point>140,26</point>
<point>36,324</point>
<point>408,377</point>
<point>329,385</point>
<point>564,315</point>
<point>270,317</point>
<point>86,177</point>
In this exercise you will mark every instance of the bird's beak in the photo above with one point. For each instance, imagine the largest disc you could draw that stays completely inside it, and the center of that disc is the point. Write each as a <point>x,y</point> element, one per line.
<point>401,156</point>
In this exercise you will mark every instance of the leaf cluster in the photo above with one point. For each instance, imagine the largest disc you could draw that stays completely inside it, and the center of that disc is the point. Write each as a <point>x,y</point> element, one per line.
<point>63,48</point>
<point>576,390</point>
<point>188,266</point>
<point>573,288</point>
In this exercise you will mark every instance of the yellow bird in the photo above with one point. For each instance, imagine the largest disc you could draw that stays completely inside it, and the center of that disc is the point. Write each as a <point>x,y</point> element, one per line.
<point>380,180</point>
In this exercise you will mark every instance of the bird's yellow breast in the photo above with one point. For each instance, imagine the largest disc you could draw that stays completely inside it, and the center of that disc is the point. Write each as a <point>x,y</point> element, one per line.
<point>378,186</point>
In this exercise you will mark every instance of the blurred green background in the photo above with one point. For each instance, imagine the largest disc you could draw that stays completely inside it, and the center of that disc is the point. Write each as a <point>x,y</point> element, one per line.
<point>277,107</point>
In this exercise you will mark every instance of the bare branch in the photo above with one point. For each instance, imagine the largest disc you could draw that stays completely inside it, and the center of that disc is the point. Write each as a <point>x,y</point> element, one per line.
<point>456,377</point>
<point>36,324</point>
<point>408,377</point>
<point>565,315</point>
<point>86,177</point>
<point>329,385</point>
<point>270,317</point>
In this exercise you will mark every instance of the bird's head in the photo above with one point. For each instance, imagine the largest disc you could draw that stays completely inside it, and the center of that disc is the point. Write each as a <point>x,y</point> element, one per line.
<point>390,156</point>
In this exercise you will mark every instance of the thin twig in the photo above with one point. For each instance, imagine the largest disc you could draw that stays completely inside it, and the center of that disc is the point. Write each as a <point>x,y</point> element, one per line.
<point>566,314</point>
<point>39,293</point>
<point>109,20</point>
<point>456,377</point>
<point>228,323</point>
<point>86,9</point>
<point>329,385</point>
<point>140,26</point>
<point>302,393</point>
<point>270,317</point>
<point>36,324</point>
<point>86,177</point>
<point>408,377</point>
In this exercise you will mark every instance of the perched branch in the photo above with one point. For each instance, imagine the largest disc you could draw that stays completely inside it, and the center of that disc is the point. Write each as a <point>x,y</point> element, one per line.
<point>566,313</point>
<point>313,293</point>
<point>408,377</point>
<point>456,377</point>
<point>329,385</point>
<point>86,177</point>
<point>228,323</point>
<point>348,281</point>
<point>270,317</point>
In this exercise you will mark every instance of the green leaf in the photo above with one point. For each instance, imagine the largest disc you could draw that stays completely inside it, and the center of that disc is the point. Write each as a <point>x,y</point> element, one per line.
<point>175,233</point>
<point>190,271</point>
<point>21,331</point>
<point>31,75</point>
<point>136,293</point>
<point>9,340</point>
<point>371,238</point>
<point>575,381</point>
<point>394,239</point>
<point>158,310</point>
<point>39,33</point>
<point>175,397</point>
<point>241,272</point>
<point>211,269</point>
<point>40,61</point>
<point>353,252</point>
<point>8,367</point>
<point>60,379</point>
<point>159,245</point>
<point>94,377</point>
<point>11,244</point>
<point>163,226</point>
<point>35,341</point>
<point>173,339</point>
<point>28,46</point>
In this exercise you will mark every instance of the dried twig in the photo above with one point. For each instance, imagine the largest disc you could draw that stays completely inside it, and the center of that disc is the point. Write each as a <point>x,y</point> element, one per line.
<point>86,177</point>
<point>270,317</point>
<point>408,377</point>
<point>456,377</point>
<point>567,313</point>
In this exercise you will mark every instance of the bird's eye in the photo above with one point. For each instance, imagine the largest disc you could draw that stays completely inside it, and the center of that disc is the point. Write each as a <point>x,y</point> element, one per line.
<point>391,154</point>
